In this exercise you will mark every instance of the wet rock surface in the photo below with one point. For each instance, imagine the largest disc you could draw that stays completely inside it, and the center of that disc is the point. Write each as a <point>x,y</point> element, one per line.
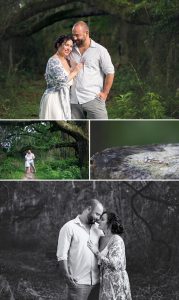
<point>150,162</point>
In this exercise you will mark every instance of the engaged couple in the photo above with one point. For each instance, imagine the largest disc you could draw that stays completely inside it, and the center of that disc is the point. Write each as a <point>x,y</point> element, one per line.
<point>91,256</point>
<point>29,162</point>
<point>79,77</point>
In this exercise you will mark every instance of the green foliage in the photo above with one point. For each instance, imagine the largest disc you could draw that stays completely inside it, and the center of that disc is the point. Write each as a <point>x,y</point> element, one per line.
<point>20,95</point>
<point>151,69</point>
<point>136,99</point>
<point>153,108</point>
<point>58,169</point>
<point>123,107</point>
<point>20,98</point>
<point>54,149</point>
<point>11,168</point>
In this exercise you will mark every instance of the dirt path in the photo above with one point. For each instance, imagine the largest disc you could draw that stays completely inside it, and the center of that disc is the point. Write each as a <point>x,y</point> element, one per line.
<point>29,176</point>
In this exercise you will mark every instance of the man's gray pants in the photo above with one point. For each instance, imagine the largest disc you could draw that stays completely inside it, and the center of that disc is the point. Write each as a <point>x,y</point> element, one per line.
<point>94,109</point>
<point>83,292</point>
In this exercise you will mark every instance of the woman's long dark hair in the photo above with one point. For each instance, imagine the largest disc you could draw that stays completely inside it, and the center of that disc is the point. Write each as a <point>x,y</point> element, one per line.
<point>61,39</point>
<point>114,222</point>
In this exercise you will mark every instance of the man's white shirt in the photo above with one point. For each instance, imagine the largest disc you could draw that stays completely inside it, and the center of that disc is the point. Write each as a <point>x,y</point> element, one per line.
<point>90,80</point>
<point>72,246</point>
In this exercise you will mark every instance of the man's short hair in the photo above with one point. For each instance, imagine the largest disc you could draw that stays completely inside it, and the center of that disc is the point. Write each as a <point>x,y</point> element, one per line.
<point>82,24</point>
<point>92,203</point>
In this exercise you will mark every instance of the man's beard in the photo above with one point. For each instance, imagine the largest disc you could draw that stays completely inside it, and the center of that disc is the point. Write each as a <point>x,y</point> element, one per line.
<point>91,219</point>
<point>80,43</point>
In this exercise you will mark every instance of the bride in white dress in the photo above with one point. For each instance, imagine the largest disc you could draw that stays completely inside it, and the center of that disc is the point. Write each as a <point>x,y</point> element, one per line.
<point>55,102</point>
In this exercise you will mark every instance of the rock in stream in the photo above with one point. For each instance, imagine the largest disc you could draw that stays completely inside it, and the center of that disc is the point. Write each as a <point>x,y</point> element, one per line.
<point>149,162</point>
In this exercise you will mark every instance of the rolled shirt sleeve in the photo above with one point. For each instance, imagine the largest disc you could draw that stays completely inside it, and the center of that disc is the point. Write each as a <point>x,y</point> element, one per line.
<point>105,62</point>
<point>64,241</point>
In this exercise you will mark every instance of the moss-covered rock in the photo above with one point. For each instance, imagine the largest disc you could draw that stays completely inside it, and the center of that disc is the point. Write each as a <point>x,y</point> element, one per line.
<point>137,162</point>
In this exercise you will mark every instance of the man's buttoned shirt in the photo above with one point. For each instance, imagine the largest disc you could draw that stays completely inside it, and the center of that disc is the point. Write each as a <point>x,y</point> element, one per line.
<point>72,246</point>
<point>90,80</point>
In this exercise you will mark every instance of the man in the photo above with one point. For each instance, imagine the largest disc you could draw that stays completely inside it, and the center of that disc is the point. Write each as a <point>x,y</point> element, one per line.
<point>77,263</point>
<point>93,83</point>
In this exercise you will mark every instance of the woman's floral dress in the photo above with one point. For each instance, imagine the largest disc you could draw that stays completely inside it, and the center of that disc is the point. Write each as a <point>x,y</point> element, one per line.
<point>114,281</point>
<point>55,102</point>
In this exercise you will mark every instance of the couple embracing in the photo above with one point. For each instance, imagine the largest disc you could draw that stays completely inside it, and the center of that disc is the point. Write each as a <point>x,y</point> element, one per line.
<point>91,255</point>
<point>79,77</point>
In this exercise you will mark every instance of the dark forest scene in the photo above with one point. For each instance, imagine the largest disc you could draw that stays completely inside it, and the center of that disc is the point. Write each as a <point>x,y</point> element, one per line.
<point>32,213</point>
<point>141,37</point>
<point>60,149</point>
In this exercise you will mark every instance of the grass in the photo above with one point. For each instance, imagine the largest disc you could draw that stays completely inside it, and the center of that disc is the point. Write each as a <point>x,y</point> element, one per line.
<point>155,286</point>
<point>51,168</point>
<point>11,168</point>
<point>130,97</point>
<point>20,97</point>
<point>60,169</point>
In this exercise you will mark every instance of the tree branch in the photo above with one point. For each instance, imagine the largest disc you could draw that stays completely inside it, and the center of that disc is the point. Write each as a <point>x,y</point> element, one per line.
<point>18,23</point>
<point>151,198</point>
<point>153,239</point>
<point>73,130</point>
<point>33,26</point>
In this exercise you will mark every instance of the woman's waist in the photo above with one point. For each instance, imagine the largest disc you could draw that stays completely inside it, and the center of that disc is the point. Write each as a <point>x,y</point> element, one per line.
<point>52,89</point>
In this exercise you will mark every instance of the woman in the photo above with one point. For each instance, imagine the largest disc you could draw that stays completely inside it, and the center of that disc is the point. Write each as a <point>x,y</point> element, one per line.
<point>55,102</point>
<point>114,281</point>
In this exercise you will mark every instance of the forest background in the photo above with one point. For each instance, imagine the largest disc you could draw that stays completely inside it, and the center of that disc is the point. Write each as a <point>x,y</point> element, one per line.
<point>32,213</point>
<point>60,148</point>
<point>141,36</point>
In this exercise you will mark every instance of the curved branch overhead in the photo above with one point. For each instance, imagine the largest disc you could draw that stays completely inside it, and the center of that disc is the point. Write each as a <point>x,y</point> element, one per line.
<point>32,26</point>
<point>73,130</point>
<point>35,7</point>
<point>38,14</point>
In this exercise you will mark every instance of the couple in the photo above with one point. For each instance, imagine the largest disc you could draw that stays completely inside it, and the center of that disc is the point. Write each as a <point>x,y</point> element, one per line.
<point>91,256</point>
<point>79,77</point>
<point>29,162</point>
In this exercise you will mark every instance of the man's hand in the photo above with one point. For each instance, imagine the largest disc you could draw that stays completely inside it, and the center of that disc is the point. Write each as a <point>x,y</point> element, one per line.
<point>63,271</point>
<point>107,86</point>
<point>102,96</point>
<point>93,247</point>
<point>70,281</point>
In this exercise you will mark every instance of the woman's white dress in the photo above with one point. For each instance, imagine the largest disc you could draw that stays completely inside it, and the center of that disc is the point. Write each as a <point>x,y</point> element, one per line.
<point>55,102</point>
